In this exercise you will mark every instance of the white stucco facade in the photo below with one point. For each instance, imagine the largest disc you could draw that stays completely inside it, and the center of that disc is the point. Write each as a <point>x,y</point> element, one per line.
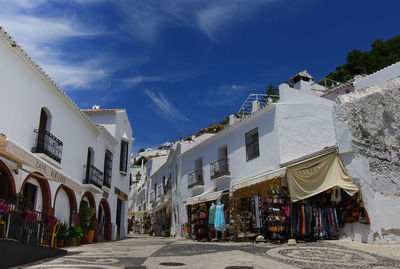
<point>26,90</point>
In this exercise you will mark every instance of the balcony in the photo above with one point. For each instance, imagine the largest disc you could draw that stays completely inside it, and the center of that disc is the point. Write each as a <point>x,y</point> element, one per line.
<point>48,144</point>
<point>220,169</point>
<point>93,176</point>
<point>195,179</point>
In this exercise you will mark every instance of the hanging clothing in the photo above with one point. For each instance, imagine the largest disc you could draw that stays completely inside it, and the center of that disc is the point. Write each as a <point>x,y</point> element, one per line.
<point>219,222</point>
<point>211,216</point>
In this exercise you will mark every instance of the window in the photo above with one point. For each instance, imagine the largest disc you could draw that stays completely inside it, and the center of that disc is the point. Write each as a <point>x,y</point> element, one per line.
<point>159,190</point>
<point>108,168</point>
<point>252,148</point>
<point>123,165</point>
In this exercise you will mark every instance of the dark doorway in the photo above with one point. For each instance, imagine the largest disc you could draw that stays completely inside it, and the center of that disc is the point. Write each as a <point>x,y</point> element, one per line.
<point>118,221</point>
<point>29,195</point>
<point>6,192</point>
<point>42,129</point>
<point>89,162</point>
<point>101,220</point>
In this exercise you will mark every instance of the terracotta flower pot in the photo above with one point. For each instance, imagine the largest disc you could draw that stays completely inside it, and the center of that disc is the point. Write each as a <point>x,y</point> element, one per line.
<point>88,239</point>
<point>60,243</point>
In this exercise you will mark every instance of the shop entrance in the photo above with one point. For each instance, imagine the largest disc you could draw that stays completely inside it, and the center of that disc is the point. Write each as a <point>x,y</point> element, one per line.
<point>36,193</point>
<point>104,221</point>
<point>118,220</point>
<point>7,187</point>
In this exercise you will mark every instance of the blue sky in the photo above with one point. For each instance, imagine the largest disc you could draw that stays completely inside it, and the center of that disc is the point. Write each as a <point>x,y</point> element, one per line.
<point>179,65</point>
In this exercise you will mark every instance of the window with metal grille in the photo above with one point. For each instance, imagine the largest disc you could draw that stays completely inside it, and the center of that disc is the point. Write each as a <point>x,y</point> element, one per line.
<point>252,147</point>
<point>123,165</point>
<point>108,168</point>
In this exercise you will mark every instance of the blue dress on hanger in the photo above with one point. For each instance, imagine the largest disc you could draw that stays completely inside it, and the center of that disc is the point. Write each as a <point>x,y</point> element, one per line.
<point>219,222</point>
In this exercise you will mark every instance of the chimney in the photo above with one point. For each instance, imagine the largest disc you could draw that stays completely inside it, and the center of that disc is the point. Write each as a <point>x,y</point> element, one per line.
<point>255,106</point>
<point>232,119</point>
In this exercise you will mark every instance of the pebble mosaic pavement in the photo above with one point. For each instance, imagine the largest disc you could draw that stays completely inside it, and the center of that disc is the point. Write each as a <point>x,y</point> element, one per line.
<point>149,252</point>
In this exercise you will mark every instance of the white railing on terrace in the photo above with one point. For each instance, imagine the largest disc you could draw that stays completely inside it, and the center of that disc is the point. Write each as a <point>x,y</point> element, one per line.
<point>247,106</point>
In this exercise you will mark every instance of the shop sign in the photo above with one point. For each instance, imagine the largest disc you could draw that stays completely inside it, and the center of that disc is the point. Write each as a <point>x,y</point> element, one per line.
<point>120,194</point>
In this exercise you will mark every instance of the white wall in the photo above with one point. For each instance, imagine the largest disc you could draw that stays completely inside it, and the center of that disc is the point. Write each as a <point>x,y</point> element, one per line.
<point>305,123</point>
<point>25,90</point>
<point>62,208</point>
<point>367,127</point>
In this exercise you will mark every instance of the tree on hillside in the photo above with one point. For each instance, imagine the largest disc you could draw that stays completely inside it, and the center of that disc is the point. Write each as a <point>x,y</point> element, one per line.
<point>381,55</point>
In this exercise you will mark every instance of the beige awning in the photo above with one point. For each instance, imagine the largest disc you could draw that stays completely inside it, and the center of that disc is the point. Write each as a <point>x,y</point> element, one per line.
<point>14,153</point>
<point>312,177</point>
<point>204,197</point>
<point>140,213</point>
<point>269,175</point>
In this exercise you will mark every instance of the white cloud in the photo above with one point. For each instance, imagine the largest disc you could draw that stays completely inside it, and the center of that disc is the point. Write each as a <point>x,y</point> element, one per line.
<point>173,77</point>
<point>136,80</point>
<point>43,37</point>
<point>145,18</point>
<point>229,94</point>
<point>164,108</point>
<point>76,76</point>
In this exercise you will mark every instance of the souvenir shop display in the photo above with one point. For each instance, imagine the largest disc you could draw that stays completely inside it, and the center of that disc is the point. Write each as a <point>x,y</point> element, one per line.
<point>277,213</point>
<point>314,222</point>
<point>354,210</point>
<point>199,216</point>
<point>219,221</point>
<point>321,216</point>
<point>241,218</point>
<point>257,212</point>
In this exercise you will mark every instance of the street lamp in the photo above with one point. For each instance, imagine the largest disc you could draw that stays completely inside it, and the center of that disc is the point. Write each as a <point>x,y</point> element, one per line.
<point>138,176</point>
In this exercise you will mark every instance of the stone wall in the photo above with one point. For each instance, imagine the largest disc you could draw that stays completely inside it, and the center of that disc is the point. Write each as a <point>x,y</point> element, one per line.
<point>367,126</point>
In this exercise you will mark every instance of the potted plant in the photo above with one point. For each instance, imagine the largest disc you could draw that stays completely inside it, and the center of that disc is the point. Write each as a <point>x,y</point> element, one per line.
<point>86,215</point>
<point>91,230</point>
<point>62,234</point>
<point>167,232</point>
<point>75,235</point>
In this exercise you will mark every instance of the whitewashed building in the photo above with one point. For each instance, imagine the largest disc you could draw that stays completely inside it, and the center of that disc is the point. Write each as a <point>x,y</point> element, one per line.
<point>250,148</point>
<point>56,154</point>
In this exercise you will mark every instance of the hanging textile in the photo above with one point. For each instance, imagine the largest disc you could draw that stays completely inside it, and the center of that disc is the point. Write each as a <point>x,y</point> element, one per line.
<point>317,175</point>
<point>219,222</point>
<point>314,222</point>
<point>211,211</point>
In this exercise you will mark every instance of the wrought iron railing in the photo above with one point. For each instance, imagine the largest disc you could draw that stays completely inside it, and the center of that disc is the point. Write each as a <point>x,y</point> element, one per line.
<point>48,144</point>
<point>195,179</point>
<point>25,225</point>
<point>93,176</point>
<point>219,168</point>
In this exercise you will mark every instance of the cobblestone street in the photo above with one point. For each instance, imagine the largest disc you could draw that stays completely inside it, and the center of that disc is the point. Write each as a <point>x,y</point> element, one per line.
<point>152,252</point>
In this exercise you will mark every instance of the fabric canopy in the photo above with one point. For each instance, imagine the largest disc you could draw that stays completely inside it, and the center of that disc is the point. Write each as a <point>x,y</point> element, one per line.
<point>12,152</point>
<point>259,178</point>
<point>204,197</point>
<point>314,176</point>
<point>140,213</point>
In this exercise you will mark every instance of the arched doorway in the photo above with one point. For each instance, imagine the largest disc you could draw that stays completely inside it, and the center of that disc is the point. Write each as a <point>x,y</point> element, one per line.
<point>7,185</point>
<point>36,193</point>
<point>104,221</point>
<point>89,199</point>
<point>65,206</point>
